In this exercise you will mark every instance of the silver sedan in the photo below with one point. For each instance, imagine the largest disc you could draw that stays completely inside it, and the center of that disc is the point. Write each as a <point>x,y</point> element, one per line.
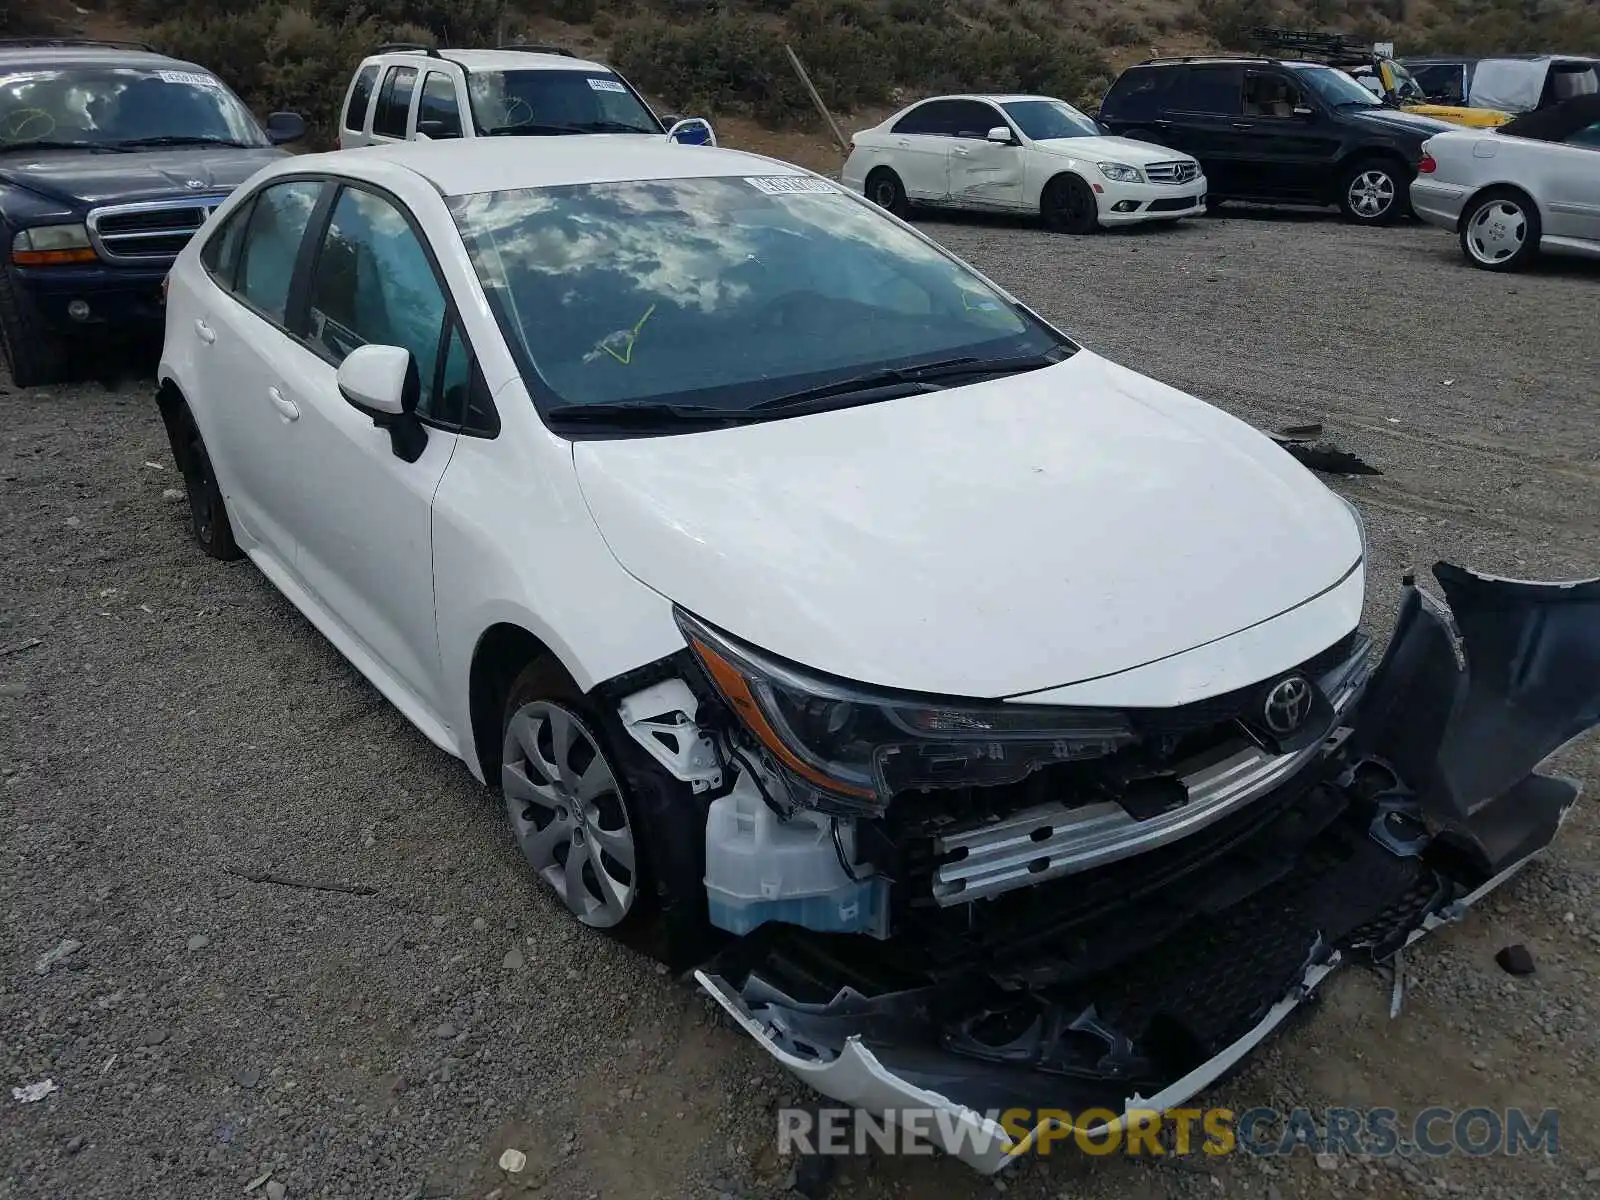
<point>1530,186</point>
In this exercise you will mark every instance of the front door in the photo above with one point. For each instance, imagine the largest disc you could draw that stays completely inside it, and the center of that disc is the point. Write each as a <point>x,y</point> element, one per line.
<point>1290,153</point>
<point>1572,187</point>
<point>254,441</point>
<point>984,174</point>
<point>366,550</point>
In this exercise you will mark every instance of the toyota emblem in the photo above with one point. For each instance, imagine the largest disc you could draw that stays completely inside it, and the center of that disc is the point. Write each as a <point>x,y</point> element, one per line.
<point>1288,705</point>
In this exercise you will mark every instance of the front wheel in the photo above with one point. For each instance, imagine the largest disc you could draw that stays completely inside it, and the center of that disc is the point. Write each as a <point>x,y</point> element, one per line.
<point>35,354</point>
<point>884,189</point>
<point>1068,205</point>
<point>1372,193</point>
<point>1500,231</point>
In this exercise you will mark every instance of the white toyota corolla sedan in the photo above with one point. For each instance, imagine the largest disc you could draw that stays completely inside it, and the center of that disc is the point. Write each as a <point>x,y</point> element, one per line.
<point>1020,154</point>
<point>986,724</point>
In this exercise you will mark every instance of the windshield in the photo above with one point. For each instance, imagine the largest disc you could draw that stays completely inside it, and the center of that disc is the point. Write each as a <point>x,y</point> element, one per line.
<point>1043,120</point>
<point>556,101</point>
<point>722,292</point>
<point>1336,88</point>
<point>121,106</point>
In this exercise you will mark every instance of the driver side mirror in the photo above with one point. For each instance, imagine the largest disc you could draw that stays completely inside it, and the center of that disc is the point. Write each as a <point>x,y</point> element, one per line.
<point>1000,135</point>
<point>382,383</point>
<point>690,131</point>
<point>285,127</point>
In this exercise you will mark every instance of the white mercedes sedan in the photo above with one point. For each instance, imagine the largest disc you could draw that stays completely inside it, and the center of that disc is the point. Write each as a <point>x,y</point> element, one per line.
<point>985,724</point>
<point>1531,186</point>
<point>1021,154</point>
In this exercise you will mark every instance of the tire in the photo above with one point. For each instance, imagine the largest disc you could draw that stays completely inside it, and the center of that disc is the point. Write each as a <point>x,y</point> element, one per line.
<point>1373,191</point>
<point>1067,205</point>
<point>208,512</point>
<point>1515,216</point>
<point>1214,205</point>
<point>34,353</point>
<point>662,912</point>
<point>883,188</point>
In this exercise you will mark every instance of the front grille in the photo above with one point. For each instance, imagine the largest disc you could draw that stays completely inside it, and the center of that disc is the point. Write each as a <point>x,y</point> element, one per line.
<point>152,232</point>
<point>1172,172</point>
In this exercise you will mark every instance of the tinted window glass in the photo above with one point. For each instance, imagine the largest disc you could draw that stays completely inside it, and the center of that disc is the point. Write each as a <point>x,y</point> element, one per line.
<point>355,110</point>
<point>220,254</point>
<point>438,115</point>
<point>272,242</point>
<point>1589,137</point>
<point>1442,82</point>
<point>721,291</point>
<point>1269,95</point>
<point>1211,90</point>
<point>394,102</point>
<point>936,117</point>
<point>1136,94</point>
<point>554,102</point>
<point>974,119</point>
<point>374,284</point>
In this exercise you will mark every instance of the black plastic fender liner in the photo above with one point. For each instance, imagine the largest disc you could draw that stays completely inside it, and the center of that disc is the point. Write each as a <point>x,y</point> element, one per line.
<point>1470,737</point>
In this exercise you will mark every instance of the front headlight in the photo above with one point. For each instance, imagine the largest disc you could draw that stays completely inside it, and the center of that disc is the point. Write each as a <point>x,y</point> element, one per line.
<point>45,244</point>
<point>842,747</point>
<point>1121,172</point>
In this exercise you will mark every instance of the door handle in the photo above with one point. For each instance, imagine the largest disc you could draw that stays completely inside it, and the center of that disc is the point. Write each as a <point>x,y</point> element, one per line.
<point>903,144</point>
<point>1244,125</point>
<point>288,409</point>
<point>204,332</point>
<point>962,151</point>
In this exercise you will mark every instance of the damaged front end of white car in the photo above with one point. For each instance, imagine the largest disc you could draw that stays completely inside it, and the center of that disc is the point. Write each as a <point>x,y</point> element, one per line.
<point>968,907</point>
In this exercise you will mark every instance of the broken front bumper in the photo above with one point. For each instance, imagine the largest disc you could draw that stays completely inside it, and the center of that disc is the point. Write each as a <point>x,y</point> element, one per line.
<point>1169,968</point>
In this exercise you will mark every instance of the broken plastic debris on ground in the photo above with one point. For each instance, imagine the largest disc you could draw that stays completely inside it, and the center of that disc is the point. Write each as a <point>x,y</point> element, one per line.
<point>32,1093</point>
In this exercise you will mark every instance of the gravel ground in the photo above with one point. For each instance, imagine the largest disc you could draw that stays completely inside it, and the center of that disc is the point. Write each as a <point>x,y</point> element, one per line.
<point>170,726</point>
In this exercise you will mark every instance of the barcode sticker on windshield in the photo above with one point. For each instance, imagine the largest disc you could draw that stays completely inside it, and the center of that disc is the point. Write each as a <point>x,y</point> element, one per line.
<point>607,85</point>
<point>192,78</point>
<point>788,185</point>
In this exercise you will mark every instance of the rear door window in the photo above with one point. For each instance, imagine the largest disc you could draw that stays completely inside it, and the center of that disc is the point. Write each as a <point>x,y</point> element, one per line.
<point>355,109</point>
<point>938,118</point>
<point>271,245</point>
<point>394,102</point>
<point>1137,94</point>
<point>1211,90</point>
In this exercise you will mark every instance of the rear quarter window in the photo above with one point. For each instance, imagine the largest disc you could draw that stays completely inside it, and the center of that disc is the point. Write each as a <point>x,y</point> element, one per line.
<point>1136,94</point>
<point>355,109</point>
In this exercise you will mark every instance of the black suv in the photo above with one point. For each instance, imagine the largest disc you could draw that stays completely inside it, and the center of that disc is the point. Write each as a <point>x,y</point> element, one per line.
<point>1274,131</point>
<point>111,156</point>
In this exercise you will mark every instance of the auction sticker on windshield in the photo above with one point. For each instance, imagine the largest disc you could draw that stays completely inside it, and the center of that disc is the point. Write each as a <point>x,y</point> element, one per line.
<point>193,78</point>
<point>788,185</point>
<point>606,85</point>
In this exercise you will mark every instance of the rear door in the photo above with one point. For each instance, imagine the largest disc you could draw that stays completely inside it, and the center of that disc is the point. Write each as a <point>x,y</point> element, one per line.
<point>241,328</point>
<point>391,115</point>
<point>919,148</point>
<point>357,115</point>
<point>1203,115</point>
<point>984,174</point>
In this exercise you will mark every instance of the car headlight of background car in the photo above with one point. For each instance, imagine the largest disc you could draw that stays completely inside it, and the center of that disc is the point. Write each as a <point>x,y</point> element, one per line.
<point>841,747</point>
<point>1121,172</point>
<point>49,245</point>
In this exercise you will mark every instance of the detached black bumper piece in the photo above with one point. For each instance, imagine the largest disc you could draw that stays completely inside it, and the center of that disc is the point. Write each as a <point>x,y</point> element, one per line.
<point>1136,986</point>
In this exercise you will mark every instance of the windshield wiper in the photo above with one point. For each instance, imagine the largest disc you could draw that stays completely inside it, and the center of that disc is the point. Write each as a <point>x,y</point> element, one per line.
<point>611,127</point>
<point>926,373</point>
<point>178,139</point>
<point>530,128</point>
<point>646,412</point>
<point>47,144</point>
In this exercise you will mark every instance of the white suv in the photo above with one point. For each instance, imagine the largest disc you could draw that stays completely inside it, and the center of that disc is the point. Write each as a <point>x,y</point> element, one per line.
<point>408,92</point>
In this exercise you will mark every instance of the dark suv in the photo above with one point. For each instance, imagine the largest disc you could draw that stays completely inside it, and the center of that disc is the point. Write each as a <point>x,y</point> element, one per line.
<point>111,156</point>
<point>1275,131</point>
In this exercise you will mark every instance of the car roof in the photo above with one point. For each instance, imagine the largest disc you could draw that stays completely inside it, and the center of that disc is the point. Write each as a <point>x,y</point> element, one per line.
<point>504,60</point>
<point>47,57</point>
<point>465,167</point>
<point>991,97</point>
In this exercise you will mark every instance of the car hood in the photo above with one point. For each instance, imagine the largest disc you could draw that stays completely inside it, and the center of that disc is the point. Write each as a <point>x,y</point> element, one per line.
<point>83,179</point>
<point>1398,121</point>
<point>990,540</point>
<point>1119,149</point>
